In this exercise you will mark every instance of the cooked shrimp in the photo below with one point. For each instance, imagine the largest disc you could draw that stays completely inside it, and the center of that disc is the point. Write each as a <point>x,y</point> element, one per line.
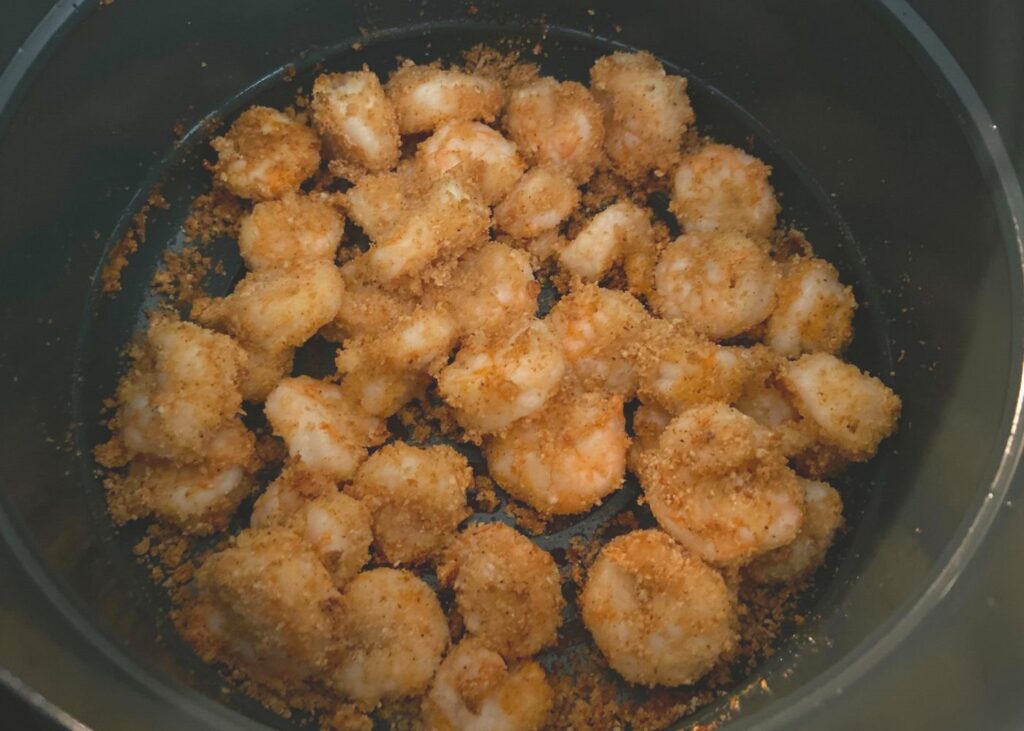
<point>263,369</point>
<point>475,154</point>
<point>492,288</point>
<point>269,606</point>
<point>475,690</point>
<point>852,410</point>
<point>814,310</point>
<point>265,154</point>
<point>183,390</point>
<point>376,202</point>
<point>608,238</point>
<point>717,483</point>
<point>565,458</point>
<point>659,614</point>
<point>450,221</point>
<point>557,124</point>
<point>417,498</point>
<point>357,121</point>
<point>366,307</point>
<point>198,499</point>
<point>335,525</point>
<point>295,228</point>
<point>720,284</point>
<point>277,308</point>
<point>765,400</point>
<point>508,590</point>
<point>538,202</point>
<point>646,112</point>
<point>500,377</point>
<point>720,188</point>
<point>394,634</point>
<point>679,369</point>
<point>426,97</point>
<point>598,328</point>
<point>323,429</point>
<point>823,516</point>
<point>384,371</point>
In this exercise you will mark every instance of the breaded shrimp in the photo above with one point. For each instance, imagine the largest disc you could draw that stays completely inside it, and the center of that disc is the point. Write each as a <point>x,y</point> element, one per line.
<point>417,498</point>
<point>322,428</point>
<point>267,605</point>
<point>491,289</point>
<point>295,228</point>
<point>449,221</point>
<point>376,202</point>
<point>814,310</point>
<point>500,377</point>
<point>720,188</point>
<point>566,457</point>
<point>277,308</point>
<point>598,329</point>
<point>659,614</point>
<point>383,371</point>
<point>357,121</point>
<point>717,483</point>
<point>263,369</point>
<point>852,410</point>
<point>610,237</point>
<point>475,690</point>
<point>557,124</point>
<point>541,200</point>
<point>335,525</point>
<point>182,390</point>
<point>366,307</point>
<point>198,499</point>
<point>507,590</point>
<point>265,154</point>
<point>646,112</point>
<point>678,368</point>
<point>394,634</point>
<point>720,284</point>
<point>473,153</point>
<point>823,516</point>
<point>425,97</point>
<point>765,400</point>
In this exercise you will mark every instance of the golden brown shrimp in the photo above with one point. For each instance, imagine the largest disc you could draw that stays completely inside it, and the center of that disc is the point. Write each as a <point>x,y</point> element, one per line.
<point>567,457</point>
<point>607,239</point>
<point>500,377</point>
<point>598,329</point>
<point>476,690</point>
<point>557,124</point>
<point>323,429</point>
<point>814,311</point>
<point>540,201</point>
<point>357,121</point>
<point>426,97</point>
<point>717,484</point>
<point>366,306</point>
<point>659,614</point>
<point>646,112</point>
<point>823,516</point>
<point>265,154</point>
<point>720,284</point>
<point>295,228</point>
<point>417,498</point>
<point>473,153</point>
<point>376,202</point>
<point>507,590</point>
<point>720,188</point>
<point>394,635</point>
<point>851,410</point>
<point>267,605</point>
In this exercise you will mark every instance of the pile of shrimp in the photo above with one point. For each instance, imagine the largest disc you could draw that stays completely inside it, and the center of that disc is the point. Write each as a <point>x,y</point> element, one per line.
<point>708,366</point>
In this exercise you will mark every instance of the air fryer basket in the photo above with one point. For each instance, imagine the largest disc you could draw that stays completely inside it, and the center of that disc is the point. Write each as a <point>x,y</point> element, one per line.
<point>880,151</point>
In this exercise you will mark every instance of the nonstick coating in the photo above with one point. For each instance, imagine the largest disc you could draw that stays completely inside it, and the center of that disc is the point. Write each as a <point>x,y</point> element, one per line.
<point>846,130</point>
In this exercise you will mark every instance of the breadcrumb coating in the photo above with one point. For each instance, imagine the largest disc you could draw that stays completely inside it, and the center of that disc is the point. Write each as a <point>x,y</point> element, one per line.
<point>357,122</point>
<point>425,97</point>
